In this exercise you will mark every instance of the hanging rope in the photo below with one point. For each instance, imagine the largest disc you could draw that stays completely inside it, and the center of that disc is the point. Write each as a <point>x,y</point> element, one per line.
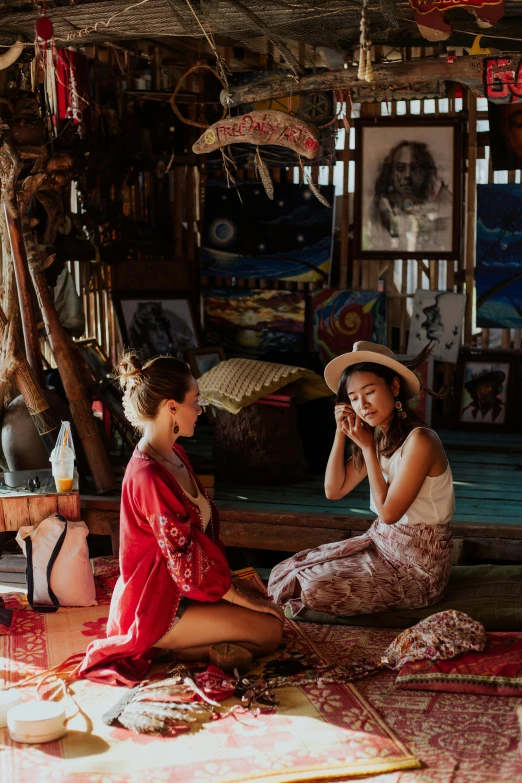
<point>172,100</point>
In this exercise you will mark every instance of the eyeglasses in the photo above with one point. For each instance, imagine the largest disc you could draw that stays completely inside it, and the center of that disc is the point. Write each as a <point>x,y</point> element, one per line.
<point>203,402</point>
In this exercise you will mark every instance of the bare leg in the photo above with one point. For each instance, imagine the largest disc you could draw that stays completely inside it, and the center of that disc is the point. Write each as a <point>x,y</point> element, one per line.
<point>205,624</point>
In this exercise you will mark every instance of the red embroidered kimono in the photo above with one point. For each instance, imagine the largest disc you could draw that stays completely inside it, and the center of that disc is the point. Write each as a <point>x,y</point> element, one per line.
<point>164,554</point>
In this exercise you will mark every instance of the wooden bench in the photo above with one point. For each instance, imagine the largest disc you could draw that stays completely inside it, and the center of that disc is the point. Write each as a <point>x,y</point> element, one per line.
<point>487,523</point>
<point>20,506</point>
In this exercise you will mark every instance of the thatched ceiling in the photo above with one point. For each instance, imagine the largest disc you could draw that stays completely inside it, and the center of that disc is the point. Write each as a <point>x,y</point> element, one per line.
<point>333,23</point>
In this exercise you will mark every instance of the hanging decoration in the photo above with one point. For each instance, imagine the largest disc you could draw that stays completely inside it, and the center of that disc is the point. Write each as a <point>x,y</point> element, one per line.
<point>429,15</point>
<point>261,127</point>
<point>365,72</point>
<point>264,175</point>
<point>45,56</point>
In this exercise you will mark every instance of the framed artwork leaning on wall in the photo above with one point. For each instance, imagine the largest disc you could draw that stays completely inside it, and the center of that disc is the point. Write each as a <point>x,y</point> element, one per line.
<point>485,392</point>
<point>408,188</point>
<point>158,324</point>
<point>202,360</point>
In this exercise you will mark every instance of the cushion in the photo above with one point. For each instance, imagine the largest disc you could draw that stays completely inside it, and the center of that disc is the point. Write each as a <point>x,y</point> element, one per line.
<point>439,637</point>
<point>496,671</point>
<point>490,594</point>
<point>236,383</point>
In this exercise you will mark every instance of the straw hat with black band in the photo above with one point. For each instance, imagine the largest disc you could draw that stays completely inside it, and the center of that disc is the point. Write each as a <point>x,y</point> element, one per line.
<point>364,351</point>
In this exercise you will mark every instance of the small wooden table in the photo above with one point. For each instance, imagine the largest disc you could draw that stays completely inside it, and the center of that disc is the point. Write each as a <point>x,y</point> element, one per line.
<point>19,506</point>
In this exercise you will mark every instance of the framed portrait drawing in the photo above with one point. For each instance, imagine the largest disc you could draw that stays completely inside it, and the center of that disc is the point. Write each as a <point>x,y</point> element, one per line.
<point>202,360</point>
<point>437,316</point>
<point>485,391</point>
<point>408,188</point>
<point>158,323</point>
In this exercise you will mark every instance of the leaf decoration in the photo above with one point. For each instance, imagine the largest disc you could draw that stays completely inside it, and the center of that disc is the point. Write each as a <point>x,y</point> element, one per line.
<point>264,175</point>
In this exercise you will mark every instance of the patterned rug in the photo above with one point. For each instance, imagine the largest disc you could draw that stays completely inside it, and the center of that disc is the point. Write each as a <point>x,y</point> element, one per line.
<point>459,738</point>
<point>318,733</point>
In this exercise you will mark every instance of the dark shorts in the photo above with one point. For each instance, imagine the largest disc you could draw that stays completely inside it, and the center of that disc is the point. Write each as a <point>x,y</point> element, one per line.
<point>183,604</point>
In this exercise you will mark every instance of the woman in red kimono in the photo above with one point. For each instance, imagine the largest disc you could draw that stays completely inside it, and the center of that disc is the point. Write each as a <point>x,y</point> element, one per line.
<point>175,591</point>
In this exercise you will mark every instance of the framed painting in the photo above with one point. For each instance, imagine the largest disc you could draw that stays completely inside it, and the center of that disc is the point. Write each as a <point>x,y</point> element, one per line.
<point>247,235</point>
<point>159,324</point>
<point>422,402</point>
<point>252,323</point>
<point>437,315</point>
<point>342,318</point>
<point>498,269</point>
<point>202,360</point>
<point>486,391</point>
<point>408,188</point>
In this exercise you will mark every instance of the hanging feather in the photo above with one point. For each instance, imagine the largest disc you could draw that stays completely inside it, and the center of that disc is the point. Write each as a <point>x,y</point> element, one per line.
<point>307,180</point>
<point>317,193</point>
<point>422,356</point>
<point>440,395</point>
<point>264,175</point>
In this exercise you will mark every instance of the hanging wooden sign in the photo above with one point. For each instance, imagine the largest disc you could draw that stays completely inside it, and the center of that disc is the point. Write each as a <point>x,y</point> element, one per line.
<point>260,128</point>
<point>430,20</point>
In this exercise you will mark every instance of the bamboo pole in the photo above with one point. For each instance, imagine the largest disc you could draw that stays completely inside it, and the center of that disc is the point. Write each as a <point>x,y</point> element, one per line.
<point>12,165</point>
<point>92,443</point>
<point>32,393</point>
<point>471,217</point>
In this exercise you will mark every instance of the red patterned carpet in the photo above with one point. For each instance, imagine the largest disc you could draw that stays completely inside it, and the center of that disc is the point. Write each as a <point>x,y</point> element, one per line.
<point>327,732</point>
<point>317,733</point>
<point>459,738</point>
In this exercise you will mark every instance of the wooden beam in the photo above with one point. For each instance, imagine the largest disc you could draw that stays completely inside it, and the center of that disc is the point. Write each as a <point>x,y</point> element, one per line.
<point>468,71</point>
<point>471,216</point>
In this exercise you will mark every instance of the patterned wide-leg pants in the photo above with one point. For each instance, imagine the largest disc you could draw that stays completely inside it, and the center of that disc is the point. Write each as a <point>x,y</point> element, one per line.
<point>388,567</point>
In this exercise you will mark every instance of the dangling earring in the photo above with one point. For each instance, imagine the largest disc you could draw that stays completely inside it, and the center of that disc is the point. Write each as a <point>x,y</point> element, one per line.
<point>176,428</point>
<point>398,406</point>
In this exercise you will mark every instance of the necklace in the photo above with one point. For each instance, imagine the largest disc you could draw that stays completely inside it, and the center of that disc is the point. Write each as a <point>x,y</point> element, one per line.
<point>182,466</point>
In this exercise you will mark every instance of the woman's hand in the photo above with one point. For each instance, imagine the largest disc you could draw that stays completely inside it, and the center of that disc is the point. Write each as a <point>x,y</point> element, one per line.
<point>358,431</point>
<point>341,412</point>
<point>247,601</point>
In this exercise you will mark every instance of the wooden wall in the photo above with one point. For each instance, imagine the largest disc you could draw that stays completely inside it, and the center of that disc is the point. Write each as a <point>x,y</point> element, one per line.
<point>399,278</point>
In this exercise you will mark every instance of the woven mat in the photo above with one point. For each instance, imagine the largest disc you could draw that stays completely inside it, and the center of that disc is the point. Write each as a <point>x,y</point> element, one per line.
<point>317,733</point>
<point>459,738</point>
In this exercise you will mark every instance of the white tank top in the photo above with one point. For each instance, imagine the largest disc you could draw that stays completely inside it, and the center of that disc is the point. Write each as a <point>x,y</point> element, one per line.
<point>435,503</point>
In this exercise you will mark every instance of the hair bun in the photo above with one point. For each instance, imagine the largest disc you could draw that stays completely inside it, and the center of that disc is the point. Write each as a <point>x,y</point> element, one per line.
<point>129,371</point>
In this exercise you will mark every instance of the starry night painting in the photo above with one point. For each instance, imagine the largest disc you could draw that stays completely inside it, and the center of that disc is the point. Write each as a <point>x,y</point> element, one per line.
<point>498,271</point>
<point>254,322</point>
<point>247,235</point>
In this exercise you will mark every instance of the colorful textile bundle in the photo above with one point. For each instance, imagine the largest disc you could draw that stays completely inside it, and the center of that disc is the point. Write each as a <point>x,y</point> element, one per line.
<point>439,637</point>
<point>495,671</point>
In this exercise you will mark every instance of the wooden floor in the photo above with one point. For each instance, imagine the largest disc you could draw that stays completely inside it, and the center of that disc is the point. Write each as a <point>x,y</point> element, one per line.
<point>487,471</point>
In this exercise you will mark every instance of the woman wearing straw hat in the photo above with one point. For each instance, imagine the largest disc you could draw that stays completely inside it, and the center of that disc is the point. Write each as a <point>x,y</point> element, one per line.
<point>403,559</point>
